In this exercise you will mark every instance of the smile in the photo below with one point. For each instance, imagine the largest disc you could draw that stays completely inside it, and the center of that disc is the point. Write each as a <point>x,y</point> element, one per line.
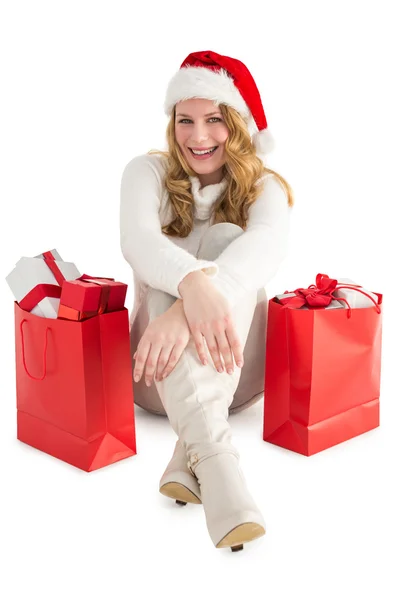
<point>204,153</point>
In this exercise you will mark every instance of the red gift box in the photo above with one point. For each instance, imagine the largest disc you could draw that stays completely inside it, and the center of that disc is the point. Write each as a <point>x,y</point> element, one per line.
<point>322,373</point>
<point>89,296</point>
<point>75,388</point>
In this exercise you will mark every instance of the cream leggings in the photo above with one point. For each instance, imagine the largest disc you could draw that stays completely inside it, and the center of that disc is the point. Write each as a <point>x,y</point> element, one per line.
<point>194,392</point>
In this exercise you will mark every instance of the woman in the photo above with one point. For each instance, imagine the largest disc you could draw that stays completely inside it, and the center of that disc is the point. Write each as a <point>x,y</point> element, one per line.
<point>204,227</point>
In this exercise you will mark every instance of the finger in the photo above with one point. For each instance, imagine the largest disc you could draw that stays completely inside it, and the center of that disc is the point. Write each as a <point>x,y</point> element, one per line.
<point>214,350</point>
<point>152,361</point>
<point>176,353</point>
<point>163,360</point>
<point>225,350</point>
<point>198,340</point>
<point>235,344</point>
<point>141,356</point>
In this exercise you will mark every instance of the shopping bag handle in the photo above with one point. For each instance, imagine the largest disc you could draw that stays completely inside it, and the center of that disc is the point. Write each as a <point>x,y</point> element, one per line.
<point>355,287</point>
<point>44,353</point>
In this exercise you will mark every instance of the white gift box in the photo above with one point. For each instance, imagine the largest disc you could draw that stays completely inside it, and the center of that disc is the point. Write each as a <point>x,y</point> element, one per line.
<point>355,298</point>
<point>289,295</point>
<point>29,272</point>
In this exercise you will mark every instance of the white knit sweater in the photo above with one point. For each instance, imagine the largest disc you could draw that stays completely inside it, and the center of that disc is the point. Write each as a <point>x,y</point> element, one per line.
<point>162,261</point>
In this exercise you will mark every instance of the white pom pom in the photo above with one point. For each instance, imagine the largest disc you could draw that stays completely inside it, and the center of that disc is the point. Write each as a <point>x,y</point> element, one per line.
<point>263,141</point>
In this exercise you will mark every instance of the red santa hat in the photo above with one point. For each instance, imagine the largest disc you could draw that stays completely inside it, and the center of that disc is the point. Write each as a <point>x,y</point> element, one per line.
<point>224,80</point>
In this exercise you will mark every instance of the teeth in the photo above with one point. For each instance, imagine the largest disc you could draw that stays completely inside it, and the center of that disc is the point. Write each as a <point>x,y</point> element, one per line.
<point>203,151</point>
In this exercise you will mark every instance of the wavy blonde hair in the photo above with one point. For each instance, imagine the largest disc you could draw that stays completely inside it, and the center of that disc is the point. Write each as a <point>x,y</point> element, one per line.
<point>242,169</point>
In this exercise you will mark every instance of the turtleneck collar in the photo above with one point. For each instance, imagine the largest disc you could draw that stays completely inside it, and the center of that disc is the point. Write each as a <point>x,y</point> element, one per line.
<point>204,198</point>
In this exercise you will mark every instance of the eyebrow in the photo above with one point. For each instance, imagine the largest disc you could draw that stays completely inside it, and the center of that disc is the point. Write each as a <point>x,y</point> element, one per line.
<point>207,115</point>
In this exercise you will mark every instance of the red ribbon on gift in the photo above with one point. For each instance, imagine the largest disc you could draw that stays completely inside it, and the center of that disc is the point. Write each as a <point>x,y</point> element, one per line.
<point>44,290</point>
<point>51,263</point>
<point>37,294</point>
<point>321,295</point>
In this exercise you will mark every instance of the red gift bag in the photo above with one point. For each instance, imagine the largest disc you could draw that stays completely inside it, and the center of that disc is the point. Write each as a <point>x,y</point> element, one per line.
<point>322,375</point>
<point>75,387</point>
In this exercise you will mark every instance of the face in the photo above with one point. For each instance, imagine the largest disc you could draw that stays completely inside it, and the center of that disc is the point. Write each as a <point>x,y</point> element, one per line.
<point>199,125</point>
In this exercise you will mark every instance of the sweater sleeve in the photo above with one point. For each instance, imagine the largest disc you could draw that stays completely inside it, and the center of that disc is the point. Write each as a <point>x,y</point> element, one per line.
<point>157,260</point>
<point>252,259</point>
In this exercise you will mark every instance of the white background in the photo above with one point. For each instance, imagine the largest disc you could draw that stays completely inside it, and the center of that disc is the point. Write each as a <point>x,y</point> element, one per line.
<point>82,94</point>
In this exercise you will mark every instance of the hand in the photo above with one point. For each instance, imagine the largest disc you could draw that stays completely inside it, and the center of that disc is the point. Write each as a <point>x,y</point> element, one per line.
<point>162,344</point>
<point>208,314</point>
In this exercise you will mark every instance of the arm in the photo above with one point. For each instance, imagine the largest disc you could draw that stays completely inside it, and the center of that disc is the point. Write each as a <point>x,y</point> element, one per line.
<point>252,259</point>
<point>190,280</point>
<point>157,260</point>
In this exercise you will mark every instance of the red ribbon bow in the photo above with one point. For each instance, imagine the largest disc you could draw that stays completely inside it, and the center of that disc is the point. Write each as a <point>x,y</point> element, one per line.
<point>321,294</point>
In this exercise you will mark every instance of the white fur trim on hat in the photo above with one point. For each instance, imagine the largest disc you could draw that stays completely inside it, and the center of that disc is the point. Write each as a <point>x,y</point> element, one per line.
<point>201,82</point>
<point>263,141</point>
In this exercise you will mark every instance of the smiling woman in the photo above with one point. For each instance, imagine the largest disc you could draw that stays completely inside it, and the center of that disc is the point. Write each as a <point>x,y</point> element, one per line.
<point>205,226</point>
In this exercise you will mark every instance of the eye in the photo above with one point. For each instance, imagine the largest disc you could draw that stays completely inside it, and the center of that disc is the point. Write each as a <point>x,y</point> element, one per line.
<point>216,118</point>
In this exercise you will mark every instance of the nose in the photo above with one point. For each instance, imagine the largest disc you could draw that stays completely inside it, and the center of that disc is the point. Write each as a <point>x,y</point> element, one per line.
<point>199,133</point>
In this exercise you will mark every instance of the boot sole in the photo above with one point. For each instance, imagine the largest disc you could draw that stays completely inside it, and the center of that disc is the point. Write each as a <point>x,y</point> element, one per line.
<point>179,492</point>
<point>246,532</point>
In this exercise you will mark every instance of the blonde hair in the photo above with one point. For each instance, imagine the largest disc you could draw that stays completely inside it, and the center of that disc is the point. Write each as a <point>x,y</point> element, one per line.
<point>242,169</point>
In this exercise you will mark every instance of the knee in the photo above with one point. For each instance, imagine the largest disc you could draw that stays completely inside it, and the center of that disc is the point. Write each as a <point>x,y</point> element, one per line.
<point>224,228</point>
<point>216,239</point>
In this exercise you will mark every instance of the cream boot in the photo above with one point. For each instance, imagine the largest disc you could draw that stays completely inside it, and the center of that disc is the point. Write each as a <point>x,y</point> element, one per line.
<point>196,399</point>
<point>232,516</point>
<point>178,481</point>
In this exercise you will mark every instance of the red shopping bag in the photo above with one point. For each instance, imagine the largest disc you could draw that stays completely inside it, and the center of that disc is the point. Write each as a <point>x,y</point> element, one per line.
<point>322,375</point>
<point>75,387</point>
